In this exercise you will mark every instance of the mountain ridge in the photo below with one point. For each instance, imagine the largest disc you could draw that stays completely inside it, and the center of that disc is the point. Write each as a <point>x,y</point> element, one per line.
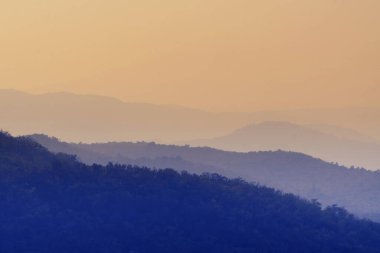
<point>287,136</point>
<point>63,114</point>
<point>355,189</point>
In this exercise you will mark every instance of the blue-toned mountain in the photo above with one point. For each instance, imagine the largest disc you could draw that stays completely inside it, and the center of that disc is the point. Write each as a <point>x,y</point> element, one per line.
<point>52,203</point>
<point>358,190</point>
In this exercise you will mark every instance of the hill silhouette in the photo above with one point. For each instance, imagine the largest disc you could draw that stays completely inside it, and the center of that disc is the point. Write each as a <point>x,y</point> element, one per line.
<point>52,203</point>
<point>306,139</point>
<point>90,118</point>
<point>358,190</point>
<point>97,118</point>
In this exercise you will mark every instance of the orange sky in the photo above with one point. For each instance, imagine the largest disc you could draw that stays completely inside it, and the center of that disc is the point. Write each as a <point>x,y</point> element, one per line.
<point>224,55</point>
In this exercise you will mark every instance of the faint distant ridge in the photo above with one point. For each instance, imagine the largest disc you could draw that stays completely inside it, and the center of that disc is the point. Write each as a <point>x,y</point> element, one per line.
<point>287,136</point>
<point>344,133</point>
<point>93,118</point>
<point>355,189</point>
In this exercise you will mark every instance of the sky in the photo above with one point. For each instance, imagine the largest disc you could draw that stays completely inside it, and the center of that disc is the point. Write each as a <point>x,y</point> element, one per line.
<point>219,55</point>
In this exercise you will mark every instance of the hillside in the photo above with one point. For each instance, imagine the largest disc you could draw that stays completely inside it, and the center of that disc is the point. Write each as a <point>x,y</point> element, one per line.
<point>305,139</point>
<point>357,190</point>
<point>51,203</point>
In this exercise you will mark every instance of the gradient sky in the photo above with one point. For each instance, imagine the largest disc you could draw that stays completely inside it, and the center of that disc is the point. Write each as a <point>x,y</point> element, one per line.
<point>224,55</point>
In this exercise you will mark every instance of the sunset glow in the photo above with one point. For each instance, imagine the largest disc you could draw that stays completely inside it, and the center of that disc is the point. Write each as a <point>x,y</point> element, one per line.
<point>216,55</point>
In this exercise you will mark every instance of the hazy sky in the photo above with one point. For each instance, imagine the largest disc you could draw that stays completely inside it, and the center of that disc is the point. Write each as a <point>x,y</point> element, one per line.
<point>215,54</point>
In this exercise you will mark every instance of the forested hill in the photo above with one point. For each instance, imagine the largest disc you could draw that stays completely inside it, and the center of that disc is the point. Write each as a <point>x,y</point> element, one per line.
<point>51,203</point>
<point>358,190</point>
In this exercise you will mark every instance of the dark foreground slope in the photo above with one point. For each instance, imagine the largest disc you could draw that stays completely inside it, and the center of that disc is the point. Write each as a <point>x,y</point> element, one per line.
<point>357,190</point>
<point>51,203</point>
